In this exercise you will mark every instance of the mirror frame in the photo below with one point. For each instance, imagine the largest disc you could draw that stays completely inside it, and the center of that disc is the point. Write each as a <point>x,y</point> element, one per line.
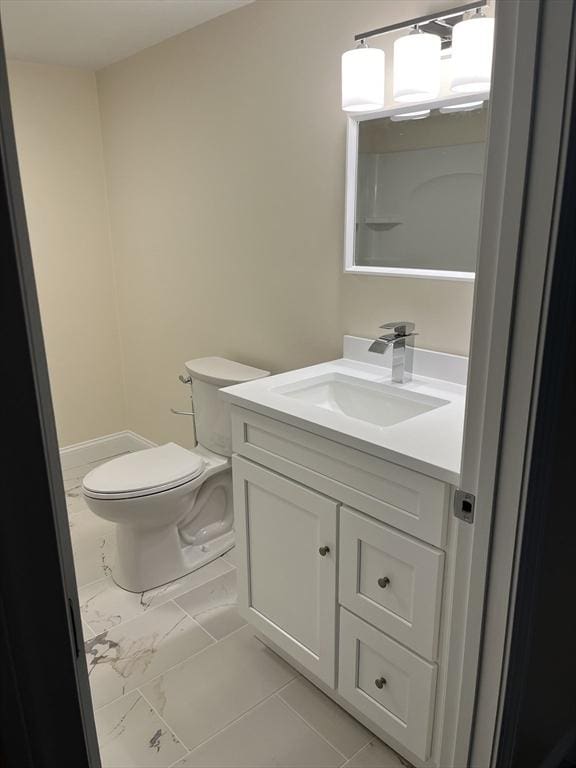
<point>350,191</point>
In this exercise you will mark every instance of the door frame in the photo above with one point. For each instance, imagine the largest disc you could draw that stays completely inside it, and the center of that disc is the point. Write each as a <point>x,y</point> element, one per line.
<point>530,107</point>
<point>46,706</point>
<point>524,173</point>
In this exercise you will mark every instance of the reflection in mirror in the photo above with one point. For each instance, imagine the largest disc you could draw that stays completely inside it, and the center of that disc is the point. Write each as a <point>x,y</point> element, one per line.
<point>419,190</point>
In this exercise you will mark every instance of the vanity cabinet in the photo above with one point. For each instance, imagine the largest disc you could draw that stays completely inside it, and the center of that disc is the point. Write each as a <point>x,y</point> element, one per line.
<point>341,566</point>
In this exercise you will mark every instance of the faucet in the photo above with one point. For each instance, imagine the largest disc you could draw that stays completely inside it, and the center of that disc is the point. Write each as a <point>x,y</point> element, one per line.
<point>402,334</point>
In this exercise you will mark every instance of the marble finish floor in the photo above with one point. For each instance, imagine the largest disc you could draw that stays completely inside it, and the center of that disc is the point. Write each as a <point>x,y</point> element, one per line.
<point>179,679</point>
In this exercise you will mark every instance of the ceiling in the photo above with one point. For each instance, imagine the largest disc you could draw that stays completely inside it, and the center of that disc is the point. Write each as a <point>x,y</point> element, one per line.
<point>94,33</point>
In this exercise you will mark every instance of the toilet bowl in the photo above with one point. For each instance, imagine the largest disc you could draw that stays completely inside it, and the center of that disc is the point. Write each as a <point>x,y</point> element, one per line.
<point>173,506</point>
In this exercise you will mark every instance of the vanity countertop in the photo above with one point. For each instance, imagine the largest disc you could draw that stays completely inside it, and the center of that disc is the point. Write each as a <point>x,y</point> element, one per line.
<point>429,442</point>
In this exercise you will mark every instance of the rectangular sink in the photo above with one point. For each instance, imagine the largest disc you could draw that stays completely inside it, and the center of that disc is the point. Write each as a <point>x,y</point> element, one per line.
<point>371,402</point>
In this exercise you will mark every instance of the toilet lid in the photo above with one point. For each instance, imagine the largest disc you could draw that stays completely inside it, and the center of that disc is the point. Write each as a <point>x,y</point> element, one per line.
<point>144,472</point>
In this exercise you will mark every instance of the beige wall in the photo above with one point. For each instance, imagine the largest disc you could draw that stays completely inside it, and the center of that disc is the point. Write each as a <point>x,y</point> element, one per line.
<point>224,151</point>
<point>224,169</point>
<point>58,136</point>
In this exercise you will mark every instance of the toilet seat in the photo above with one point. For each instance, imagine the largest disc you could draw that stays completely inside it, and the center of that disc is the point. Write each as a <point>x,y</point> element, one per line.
<point>144,473</point>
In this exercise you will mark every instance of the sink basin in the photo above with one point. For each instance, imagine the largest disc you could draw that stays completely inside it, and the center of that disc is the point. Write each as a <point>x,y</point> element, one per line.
<point>371,402</point>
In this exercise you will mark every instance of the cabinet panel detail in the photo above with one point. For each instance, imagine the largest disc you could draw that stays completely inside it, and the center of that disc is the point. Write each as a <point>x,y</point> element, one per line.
<point>387,683</point>
<point>391,580</point>
<point>286,540</point>
<point>405,499</point>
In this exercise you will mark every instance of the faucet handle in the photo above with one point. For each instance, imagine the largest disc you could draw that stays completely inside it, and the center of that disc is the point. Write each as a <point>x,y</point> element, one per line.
<point>400,327</point>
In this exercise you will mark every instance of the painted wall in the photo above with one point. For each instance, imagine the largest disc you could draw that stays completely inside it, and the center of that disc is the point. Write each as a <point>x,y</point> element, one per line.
<point>224,154</point>
<point>57,126</point>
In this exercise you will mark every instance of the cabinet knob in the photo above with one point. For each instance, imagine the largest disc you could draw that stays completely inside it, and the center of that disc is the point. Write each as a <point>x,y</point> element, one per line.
<point>383,582</point>
<point>324,551</point>
<point>380,682</point>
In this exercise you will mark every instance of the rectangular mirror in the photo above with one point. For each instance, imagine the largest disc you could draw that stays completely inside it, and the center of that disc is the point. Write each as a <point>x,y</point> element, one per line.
<point>414,192</point>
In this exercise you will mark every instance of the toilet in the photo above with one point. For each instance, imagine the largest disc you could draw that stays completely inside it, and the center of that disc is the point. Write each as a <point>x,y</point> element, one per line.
<point>173,506</point>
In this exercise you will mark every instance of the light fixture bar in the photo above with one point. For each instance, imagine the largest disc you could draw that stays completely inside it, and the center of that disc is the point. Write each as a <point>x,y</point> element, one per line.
<point>458,11</point>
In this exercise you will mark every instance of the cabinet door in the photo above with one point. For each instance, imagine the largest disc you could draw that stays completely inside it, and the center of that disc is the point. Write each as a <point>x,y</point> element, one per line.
<point>286,541</point>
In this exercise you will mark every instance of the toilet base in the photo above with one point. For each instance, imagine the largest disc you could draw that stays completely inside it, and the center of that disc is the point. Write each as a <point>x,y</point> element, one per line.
<point>167,559</point>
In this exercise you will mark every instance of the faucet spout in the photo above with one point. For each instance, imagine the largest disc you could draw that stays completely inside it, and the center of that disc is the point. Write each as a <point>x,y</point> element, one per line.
<point>401,341</point>
<point>379,346</point>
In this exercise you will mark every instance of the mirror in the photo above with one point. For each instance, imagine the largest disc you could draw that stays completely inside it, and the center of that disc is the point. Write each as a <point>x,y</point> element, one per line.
<point>415,193</point>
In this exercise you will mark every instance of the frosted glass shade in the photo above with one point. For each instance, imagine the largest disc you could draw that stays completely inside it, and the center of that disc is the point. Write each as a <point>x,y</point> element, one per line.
<point>418,115</point>
<point>472,42</point>
<point>363,80</point>
<point>416,67</point>
<point>469,106</point>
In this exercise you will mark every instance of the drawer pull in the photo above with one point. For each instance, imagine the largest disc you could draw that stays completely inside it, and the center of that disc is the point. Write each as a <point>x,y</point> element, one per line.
<point>380,682</point>
<point>324,551</point>
<point>383,582</point>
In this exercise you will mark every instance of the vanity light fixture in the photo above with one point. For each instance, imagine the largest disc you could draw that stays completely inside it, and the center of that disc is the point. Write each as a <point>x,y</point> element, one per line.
<point>417,66</point>
<point>418,115</point>
<point>472,44</point>
<point>363,79</point>
<point>416,75</point>
<point>469,106</point>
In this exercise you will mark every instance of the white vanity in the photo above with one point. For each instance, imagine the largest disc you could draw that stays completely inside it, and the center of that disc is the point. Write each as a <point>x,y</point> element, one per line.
<point>343,484</point>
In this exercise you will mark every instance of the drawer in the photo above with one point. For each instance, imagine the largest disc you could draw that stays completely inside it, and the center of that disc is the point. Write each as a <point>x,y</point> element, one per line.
<point>407,500</point>
<point>389,684</point>
<point>391,580</point>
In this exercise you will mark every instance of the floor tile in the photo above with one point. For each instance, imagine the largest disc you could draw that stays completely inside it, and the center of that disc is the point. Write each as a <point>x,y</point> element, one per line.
<point>204,694</point>
<point>73,477</point>
<point>105,605</point>
<point>86,631</point>
<point>75,503</point>
<point>125,657</point>
<point>230,556</point>
<point>376,755</point>
<point>94,549</point>
<point>269,735</point>
<point>213,605</point>
<point>131,734</point>
<point>330,720</point>
<point>78,472</point>
<point>79,516</point>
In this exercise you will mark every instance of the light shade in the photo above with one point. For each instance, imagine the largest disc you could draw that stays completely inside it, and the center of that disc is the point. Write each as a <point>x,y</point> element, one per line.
<point>418,115</point>
<point>472,42</point>
<point>469,106</point>
<point>363,79</point>
<point>416,67</point>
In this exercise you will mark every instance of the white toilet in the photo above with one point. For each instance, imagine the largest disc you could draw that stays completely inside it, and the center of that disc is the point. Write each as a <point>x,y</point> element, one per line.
<point>173,506</point>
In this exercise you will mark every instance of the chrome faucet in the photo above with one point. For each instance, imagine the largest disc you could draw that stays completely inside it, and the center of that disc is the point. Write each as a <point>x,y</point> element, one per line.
<point>402,335</point>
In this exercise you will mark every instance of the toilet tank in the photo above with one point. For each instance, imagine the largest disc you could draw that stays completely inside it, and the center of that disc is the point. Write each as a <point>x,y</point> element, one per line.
<point>212,412</point>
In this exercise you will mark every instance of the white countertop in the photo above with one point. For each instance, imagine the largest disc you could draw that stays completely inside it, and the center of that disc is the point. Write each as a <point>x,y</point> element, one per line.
<point>430,443</point>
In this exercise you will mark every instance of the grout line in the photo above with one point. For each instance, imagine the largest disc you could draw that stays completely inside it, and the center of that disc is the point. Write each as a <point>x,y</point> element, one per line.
<point>204,583</point>
<point>180,758</point>
<point>240,717</point>
<point>356,753</point>
<point>173,666</point>
<point>196,622</point>
<point>216,640</point>
<point>202,650</point>
<point>111,583</point>
<point>168,669</point>
<point>316,731</point>
<point>171,730</point>
<point>94,634</point>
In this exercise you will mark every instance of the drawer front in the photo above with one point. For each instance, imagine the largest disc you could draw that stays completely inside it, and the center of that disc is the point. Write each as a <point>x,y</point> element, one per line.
<point>398,496</point>
<point>387,683</point>
<point>391,580</point>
